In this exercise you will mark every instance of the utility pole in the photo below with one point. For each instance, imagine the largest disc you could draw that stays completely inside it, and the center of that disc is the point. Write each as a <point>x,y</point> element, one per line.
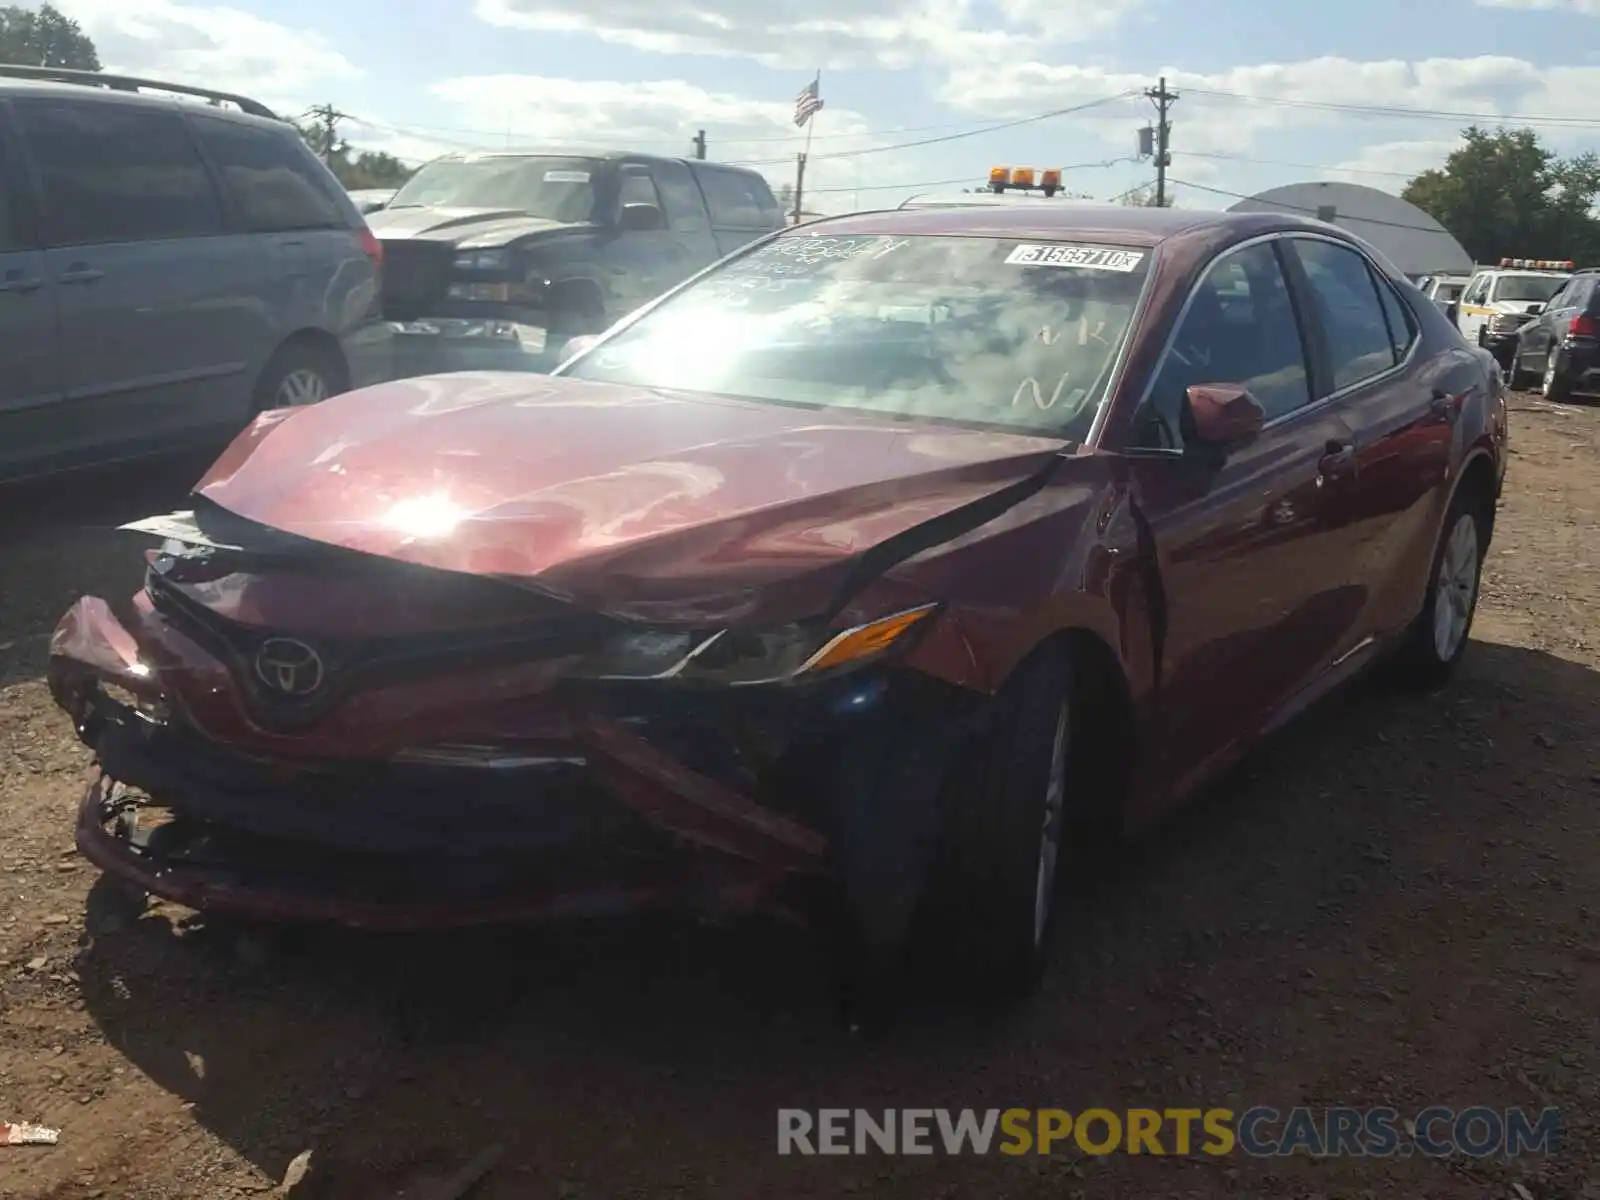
<point>328,119</point>
<point>1163,100</point>
<point>700,144</point>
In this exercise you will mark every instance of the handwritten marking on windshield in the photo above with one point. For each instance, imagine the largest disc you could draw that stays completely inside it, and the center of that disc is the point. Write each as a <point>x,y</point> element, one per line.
<point>1030,386</point>
<point>1050,336</point>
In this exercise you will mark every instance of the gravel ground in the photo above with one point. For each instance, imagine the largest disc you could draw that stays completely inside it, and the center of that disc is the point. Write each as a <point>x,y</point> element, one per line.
<point>1391,905</point>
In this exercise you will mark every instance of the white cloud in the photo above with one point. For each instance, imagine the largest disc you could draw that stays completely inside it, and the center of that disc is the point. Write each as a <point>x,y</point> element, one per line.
<point>799,34</point>
<point>1589,8</point>
<point>217,47</point>
<point>659,116</point>
<point>1229,111</point>
<point>1387,165</point>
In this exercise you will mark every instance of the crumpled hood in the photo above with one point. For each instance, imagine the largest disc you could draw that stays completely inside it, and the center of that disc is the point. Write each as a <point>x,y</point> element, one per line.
<point>463,226</point>
<point>645,504</point>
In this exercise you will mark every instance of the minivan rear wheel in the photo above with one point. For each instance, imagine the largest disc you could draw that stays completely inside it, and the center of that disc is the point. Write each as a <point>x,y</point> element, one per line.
<point>300,373</point>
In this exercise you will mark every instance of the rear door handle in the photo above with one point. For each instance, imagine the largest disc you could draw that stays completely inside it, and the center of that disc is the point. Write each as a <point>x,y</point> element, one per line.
<point>1337,458</point>
<point>1443,405</point>
<point>16,281</point>
<point>81,273</point>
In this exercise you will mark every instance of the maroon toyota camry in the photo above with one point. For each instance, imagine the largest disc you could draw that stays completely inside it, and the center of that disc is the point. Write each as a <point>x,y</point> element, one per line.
<point>864,574</point>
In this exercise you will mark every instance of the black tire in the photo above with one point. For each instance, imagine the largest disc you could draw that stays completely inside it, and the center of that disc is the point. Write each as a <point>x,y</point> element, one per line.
<point>1555,387</point>
<point>1518,377</point>
<point>987,902</point>
<point>300,367</point>
<point>1427,659</point>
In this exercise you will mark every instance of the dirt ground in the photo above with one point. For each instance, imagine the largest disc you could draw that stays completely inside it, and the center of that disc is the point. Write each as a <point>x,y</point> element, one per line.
<point>1392,905</point>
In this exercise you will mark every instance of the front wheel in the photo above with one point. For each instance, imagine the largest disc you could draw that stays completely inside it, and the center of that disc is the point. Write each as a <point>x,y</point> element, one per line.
<point>1439,638</point>
<point>1005,833</point>
<point>1518,378</point>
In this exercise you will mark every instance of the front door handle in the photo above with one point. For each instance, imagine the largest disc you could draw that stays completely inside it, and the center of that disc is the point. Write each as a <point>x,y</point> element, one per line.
<point>81,273</point>
<point>1443,405</point>
<point>1337,458</point>
<point>16,281</point>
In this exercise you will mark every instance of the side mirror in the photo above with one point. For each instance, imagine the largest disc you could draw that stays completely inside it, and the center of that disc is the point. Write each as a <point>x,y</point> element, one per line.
<point>1222,416</point>
<point>641,218</point>
<point>575,346</point>
<point>1533,310</point>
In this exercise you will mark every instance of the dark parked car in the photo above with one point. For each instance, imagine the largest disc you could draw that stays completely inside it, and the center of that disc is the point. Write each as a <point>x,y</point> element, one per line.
<point>494,260</point>
<point>878,564</point>
<point>1561,346</point>
<point>168,270</point>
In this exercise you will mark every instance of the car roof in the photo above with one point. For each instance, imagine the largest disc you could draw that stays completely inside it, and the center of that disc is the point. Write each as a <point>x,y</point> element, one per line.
<point>592,154</point>
<point>1114,223</point>
<point>973,199</point>
<point>62,90</point>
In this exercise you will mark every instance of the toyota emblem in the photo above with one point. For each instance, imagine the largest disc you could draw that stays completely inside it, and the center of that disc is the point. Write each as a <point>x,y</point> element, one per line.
<point>289,667</point>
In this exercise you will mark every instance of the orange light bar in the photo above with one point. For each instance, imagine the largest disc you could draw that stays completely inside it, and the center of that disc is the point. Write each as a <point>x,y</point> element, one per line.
<point>1000,175</point>
<point>1022,177</point>
<point>1050,178</point>
<point>1540,264</point>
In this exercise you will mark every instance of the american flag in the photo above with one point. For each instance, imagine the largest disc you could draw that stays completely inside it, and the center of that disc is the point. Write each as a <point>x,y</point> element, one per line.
<point>809,102</point>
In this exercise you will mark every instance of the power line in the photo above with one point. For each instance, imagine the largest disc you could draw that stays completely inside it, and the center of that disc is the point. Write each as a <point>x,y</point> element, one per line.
<point>1389,110</point>
<point>412,129</point>
<point>965,179</point>
<point>1274,162</point>
<point>1300,208</point>
<point>952,137</point>
<point>1150,183</point>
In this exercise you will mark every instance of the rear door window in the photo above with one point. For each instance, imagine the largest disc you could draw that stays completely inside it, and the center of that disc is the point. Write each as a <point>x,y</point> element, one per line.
<point>116,173</point>
<point>739,200</point>
<point>1401,321</point>
<point>1348,308</point>
<point>274,184</point>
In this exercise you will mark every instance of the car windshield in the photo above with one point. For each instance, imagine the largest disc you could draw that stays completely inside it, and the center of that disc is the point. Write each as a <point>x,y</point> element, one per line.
<point>1528,289</point>
<point>974,331</point>
<point>559,189</point>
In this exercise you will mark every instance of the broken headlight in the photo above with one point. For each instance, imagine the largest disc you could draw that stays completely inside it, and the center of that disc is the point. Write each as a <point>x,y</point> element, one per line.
<point>736,657</point>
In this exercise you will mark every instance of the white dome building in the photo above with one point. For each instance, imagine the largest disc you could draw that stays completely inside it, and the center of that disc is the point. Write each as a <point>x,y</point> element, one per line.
<point>1412,240</point>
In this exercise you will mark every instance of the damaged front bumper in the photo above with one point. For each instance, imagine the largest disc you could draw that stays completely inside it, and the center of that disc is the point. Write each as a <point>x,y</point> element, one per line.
<point>605,811</point>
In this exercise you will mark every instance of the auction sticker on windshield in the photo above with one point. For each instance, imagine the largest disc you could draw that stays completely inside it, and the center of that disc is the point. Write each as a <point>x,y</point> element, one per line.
<point>566,177</point>
<point>1089,258</point>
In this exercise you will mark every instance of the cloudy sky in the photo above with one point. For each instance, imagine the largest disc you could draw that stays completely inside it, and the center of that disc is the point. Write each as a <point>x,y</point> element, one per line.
<point>921,94</point>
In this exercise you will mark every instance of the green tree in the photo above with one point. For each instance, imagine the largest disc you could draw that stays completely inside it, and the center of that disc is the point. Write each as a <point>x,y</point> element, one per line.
<point>1503,194</point>
<point>355,169</point>
<point>45,37</point>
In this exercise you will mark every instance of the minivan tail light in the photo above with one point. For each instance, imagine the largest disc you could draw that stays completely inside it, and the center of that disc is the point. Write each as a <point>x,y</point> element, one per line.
<point>372,247</point>
<point>1586,327</point>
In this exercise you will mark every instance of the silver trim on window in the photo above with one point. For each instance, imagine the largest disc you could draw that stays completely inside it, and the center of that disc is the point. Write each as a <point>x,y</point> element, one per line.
<point>1315,405</point>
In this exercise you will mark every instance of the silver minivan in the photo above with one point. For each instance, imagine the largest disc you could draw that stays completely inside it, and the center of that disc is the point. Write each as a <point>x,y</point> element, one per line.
<point>168,269</point>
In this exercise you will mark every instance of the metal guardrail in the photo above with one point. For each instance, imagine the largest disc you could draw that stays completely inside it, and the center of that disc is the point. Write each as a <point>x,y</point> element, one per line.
<point>130,83</point>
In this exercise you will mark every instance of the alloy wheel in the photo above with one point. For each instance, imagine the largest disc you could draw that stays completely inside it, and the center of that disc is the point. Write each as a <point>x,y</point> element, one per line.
<point>301,387</point>
<point>1055,807</point>
<point>1456,589</point>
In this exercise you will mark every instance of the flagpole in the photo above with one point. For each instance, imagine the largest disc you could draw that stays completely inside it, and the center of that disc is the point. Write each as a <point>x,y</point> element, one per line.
<point>800,161</point>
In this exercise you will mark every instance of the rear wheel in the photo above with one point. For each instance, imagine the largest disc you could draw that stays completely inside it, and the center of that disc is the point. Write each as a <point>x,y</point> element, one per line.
<point>1439,637</point>
<point>300,373</point>
<point>1556,386</point>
